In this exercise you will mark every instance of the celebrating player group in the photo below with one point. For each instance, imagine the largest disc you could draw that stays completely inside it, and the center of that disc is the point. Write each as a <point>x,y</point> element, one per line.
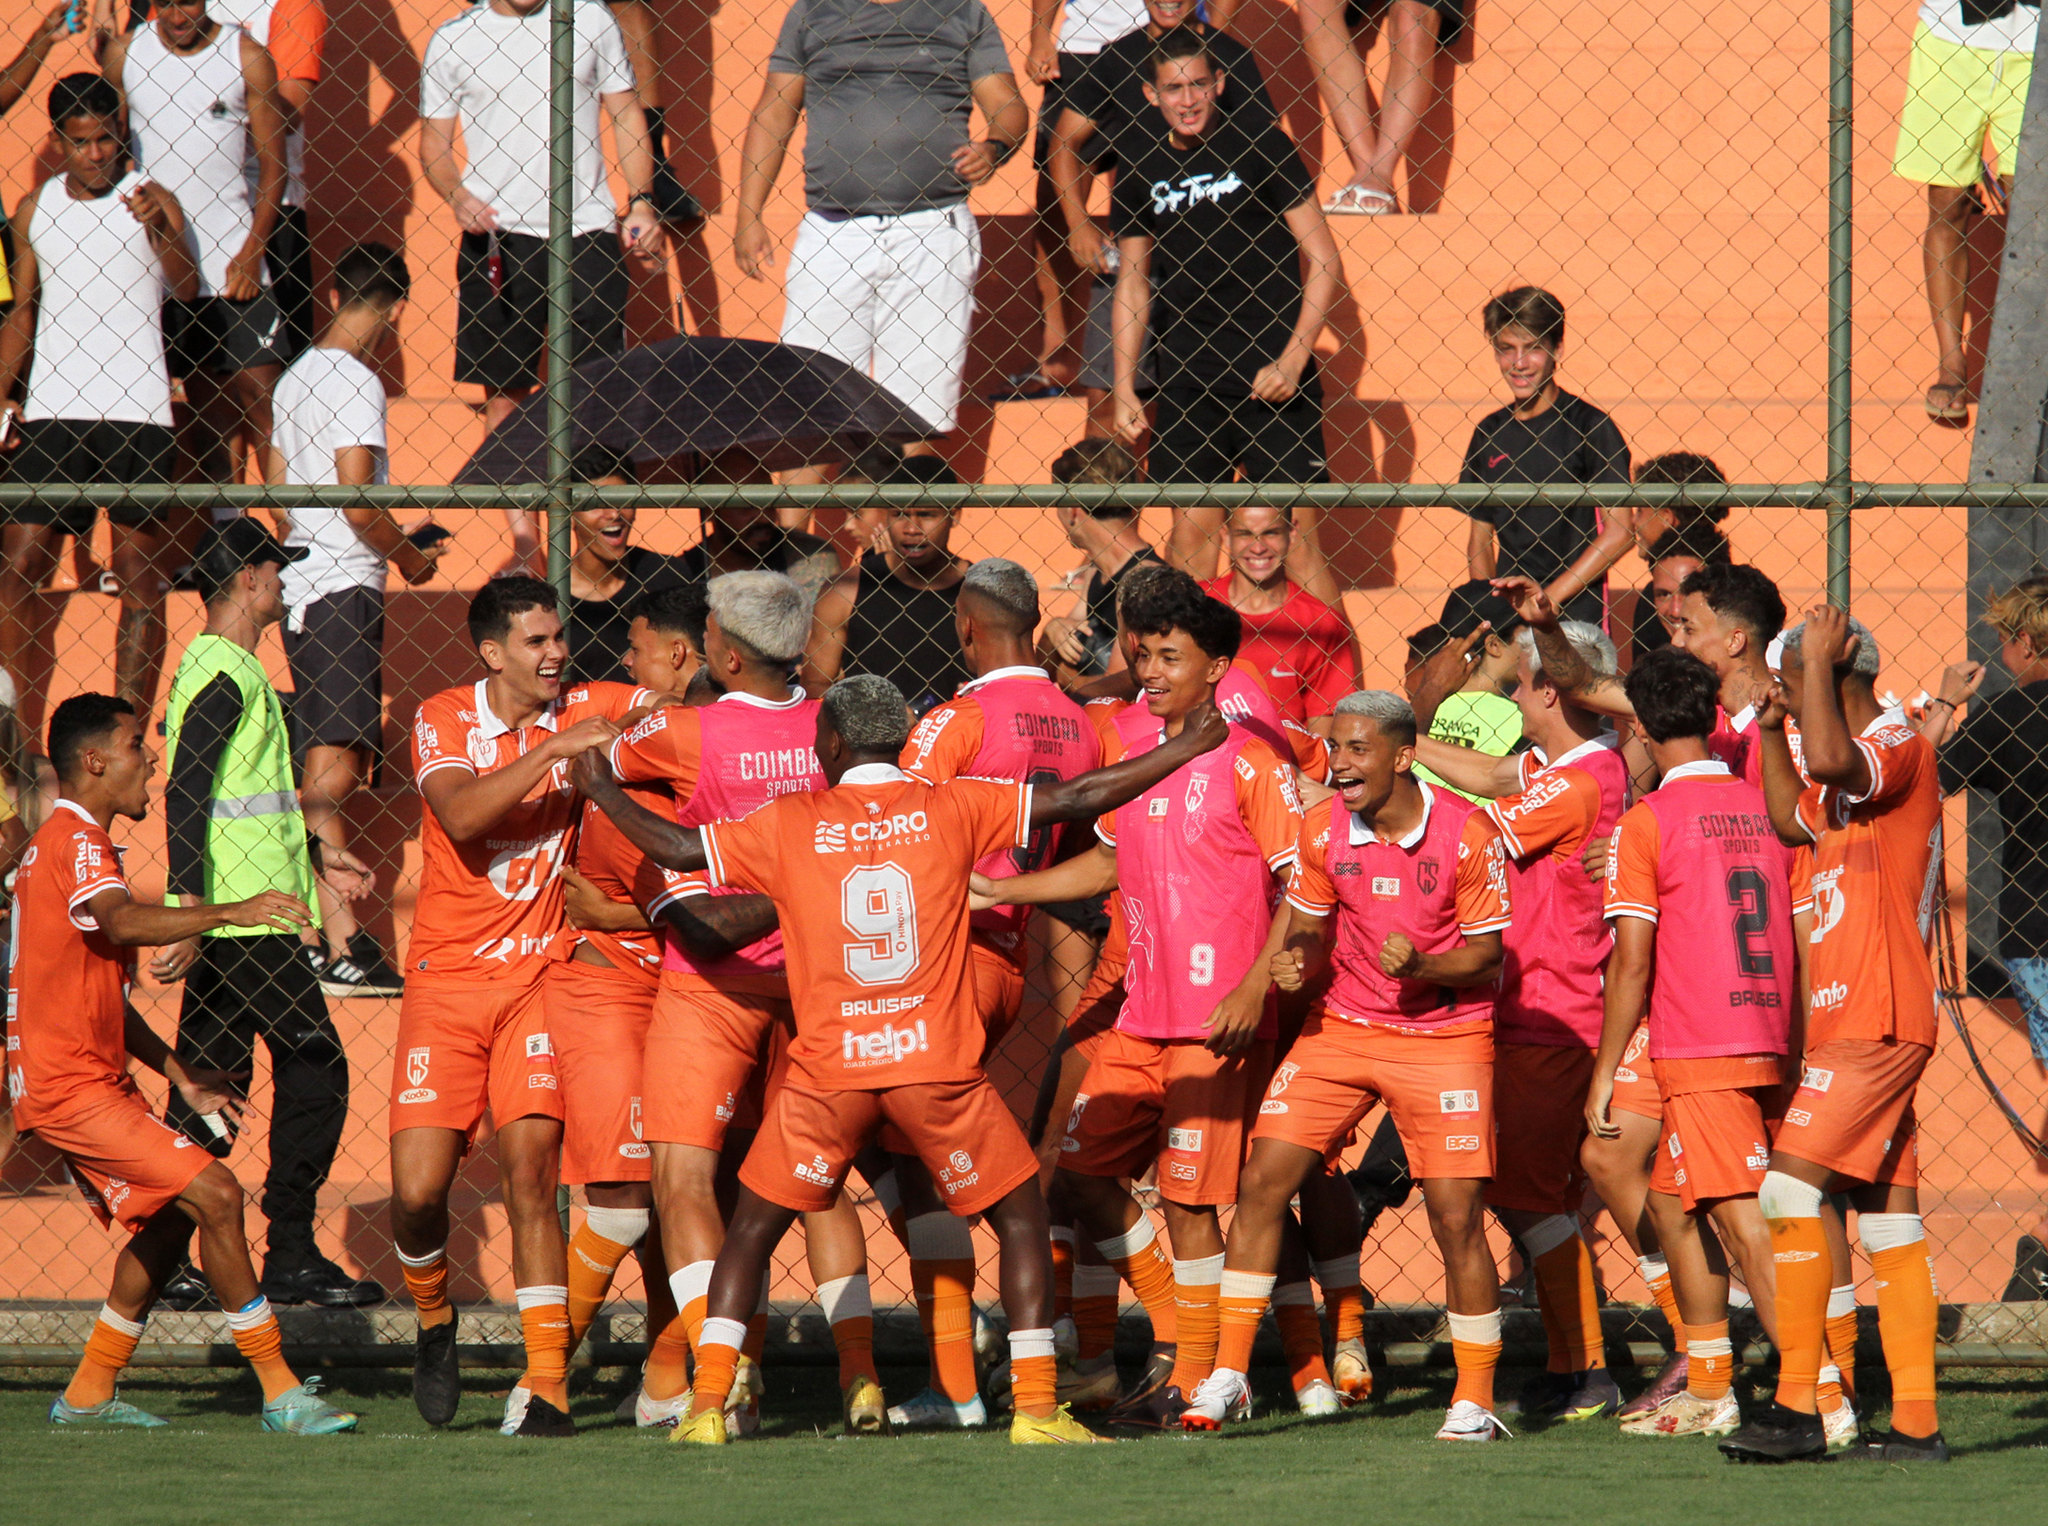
<point>711,950</point>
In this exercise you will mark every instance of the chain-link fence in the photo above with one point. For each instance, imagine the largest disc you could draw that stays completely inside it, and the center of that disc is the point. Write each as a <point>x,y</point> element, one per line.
<point>1710,195</point>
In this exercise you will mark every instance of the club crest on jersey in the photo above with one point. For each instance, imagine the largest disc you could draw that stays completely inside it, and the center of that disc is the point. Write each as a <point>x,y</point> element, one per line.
<point>1156,809</point>
<point>1192,824</point>
<point>1189,1140</point>
<point>1070,1143</point>
<point>1814,1079</point>
<point>416,1062</point>
<point>1426,875</point>
<point>483,750</point>
<point>539,1047</point>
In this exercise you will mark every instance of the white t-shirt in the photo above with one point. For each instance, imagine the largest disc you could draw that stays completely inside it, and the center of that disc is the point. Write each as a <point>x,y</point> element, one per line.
<point>492,71</point>
<point>1092,25</point>
<point>327,401</point>
<point>2012,32</point>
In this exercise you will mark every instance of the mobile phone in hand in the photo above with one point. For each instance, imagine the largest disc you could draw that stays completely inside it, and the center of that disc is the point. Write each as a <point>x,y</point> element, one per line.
<point>428,536</point>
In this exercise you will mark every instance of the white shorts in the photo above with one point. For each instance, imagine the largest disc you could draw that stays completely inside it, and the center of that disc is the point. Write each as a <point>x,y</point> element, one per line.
<point>893,297</point>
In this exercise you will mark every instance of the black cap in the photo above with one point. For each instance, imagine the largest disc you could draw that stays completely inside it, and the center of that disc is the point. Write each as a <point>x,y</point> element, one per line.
<point>233,544</point>
<point>1473,602</point>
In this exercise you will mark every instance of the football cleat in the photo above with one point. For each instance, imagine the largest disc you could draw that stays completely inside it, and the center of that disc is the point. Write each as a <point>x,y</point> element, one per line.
<point>1467,1421</point>
<point>743,1400</point>
<point>1135,1406</point>
<point>705,1430</point>
<point>1090,1385</point>
<point>1317,1400</point>
<point>1066,1339</point>
<point>302,1412</point>
<point>436,1373</point>
<point>865,1409</point>
<point>1222,1396</point>
<point>115,1411</point>
<point>1059,1428</point>
<point>1562,1397</point>
<point>1777,1434</point>
<point>1670,1379</point>
<point>515,1409</point>
<point>660,1414</point>
<point>1890,1446</point>
<point>1684,1414</point>
<point>543,1420</point>
<point>1351,1372</point>
<point>930,1410</point>
<point>1161,1409</point>
<point>1840,1425</point>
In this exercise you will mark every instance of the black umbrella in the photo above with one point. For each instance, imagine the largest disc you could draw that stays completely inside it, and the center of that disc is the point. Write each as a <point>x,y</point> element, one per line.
<point>680,403</point>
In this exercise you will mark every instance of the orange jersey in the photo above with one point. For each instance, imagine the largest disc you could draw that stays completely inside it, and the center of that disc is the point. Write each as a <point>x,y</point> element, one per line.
<point>67,998</point>
<point>870,879</point>
<point>622,873</point>
<point>491,907</point>
<point>1876,866</point>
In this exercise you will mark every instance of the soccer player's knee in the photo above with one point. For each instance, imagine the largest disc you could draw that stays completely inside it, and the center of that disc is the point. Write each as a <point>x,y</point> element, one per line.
<point>1458,1218</point>
<point>215,1198</point>
<point>415,1202</point>
<point>1265,1186</point>
<point>1783,1196</point>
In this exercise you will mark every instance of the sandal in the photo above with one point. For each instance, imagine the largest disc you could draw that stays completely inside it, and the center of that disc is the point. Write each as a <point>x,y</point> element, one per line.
<point>1949,402</point>
<point>1361,201</point>
<point>1032,386</point>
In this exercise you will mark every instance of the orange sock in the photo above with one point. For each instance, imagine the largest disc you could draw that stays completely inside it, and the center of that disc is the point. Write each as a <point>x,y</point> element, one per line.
<point>1800,1264</point>
<point>1657,1276</point>
<point>426,1279</point>
<point>1241,1300</point>
<point>1343,1297</point>
<point>1475,1346</point>
<point>1842,1335</point>
<point>942,1274</point>
<point>544,1323</point>
<point>1570,1301</point>
<point>1301,1335</point>
<point>594,1259</point>
<point>718,1359</point>
<point>1140,1262</point>
<point>1710,1364</point>
<point>1908,1309</point>
<point>261,1343</point>
<point>850,1311</point>
<point>1197,1285</point>
<point>1095,1309</point>
<point>668,1362</point>
<point>107,1350</point>
<point>1062,1274</point>
<point>1034,1373</point>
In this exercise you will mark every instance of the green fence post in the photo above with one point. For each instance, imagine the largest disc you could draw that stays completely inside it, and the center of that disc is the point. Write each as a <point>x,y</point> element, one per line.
<point>561,172</point>
<point>1841,288</point>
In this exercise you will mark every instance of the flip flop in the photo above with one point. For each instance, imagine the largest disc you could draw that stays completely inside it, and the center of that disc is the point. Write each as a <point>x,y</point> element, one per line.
<point>1956,410</point>
<point>1361,201</point>
<point>1032,386</point>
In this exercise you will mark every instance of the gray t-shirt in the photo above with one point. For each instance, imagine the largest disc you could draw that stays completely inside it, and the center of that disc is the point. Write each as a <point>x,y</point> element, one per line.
<point>887,89</point>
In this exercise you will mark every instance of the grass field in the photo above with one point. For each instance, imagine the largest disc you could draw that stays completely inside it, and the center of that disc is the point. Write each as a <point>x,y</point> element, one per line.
<point>214,1465</point>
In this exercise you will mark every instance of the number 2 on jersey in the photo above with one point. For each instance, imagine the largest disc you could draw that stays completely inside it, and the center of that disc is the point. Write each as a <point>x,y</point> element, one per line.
<point>1750,894</point>
<point>875,905</point>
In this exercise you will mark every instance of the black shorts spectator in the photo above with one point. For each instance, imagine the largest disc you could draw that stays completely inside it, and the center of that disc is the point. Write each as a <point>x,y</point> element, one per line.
<point>112,451</point>
<point>337,665</point>
<point>1450,17</point>
<point>221,337</point>
<point>1201,436</point>
<point>289,254</point>
<point>501,331</point>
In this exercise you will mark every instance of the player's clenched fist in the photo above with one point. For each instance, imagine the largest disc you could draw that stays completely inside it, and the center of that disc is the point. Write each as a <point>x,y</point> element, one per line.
<point>1398,957</point>
<point>273,908</point>
<point>1290,969</point>
<point>583,736</point>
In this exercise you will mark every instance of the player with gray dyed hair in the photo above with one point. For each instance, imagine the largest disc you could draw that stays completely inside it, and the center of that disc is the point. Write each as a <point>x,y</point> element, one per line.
<point>1588,640</point>
<point>1389,711</point>
<point>1007,586</point>
<point>1864,662</point>
<point>764,612</point>
<point>869,713</point>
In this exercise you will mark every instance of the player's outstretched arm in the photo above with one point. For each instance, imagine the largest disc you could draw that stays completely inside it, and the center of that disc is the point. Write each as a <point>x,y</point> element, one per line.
<point>129,923</point>
<point>1628,989</point>
<point>713,926</point>
<point>1468,769</point>
<point>1097,793</point>
<point>1079,878</point>
<point>667,844</point>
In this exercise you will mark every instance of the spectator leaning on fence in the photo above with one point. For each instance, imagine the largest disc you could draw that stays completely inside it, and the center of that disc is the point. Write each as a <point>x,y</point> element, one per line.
<point>1544,434</point>
<point>882,274</point>
<point>1971,64</point>
<point>95,251</point>
<point>233,829</point>
<point>330,430</point>
<point>202,100</point>
<point>487,71</point>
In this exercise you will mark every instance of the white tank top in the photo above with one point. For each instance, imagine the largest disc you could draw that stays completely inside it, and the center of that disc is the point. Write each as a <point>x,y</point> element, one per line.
<point>99,301</point>
<point>190,115</point>
<point>257,15</point>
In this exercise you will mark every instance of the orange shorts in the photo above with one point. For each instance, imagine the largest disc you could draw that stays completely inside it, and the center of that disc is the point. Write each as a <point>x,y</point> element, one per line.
<point>961,1130</point>
<point>465,1048</point>
<point>598,1018</point>
<point>1853,1111</point>
<point>1715,1145</point>
<point>705,1059</point>
<point>1437,1086</point>
<point>1539,1114</point>
<point>129,1163</point>
<point>998,993</point>
<point>1170,1102</point>
<point>1635,1079</point>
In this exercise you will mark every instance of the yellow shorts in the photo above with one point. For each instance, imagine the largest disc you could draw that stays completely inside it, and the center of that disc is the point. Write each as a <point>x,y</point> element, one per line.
<point>1954,96</point>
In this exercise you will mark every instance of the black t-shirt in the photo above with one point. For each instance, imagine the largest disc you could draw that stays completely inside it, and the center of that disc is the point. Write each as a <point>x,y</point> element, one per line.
<point>1649,632</point>
<point>598,628</point>
<point>1226,272</point>
<point>1100,600</point>
<point>1110,90</point>
<point>2002,749</point>
<point>1570,441</point>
